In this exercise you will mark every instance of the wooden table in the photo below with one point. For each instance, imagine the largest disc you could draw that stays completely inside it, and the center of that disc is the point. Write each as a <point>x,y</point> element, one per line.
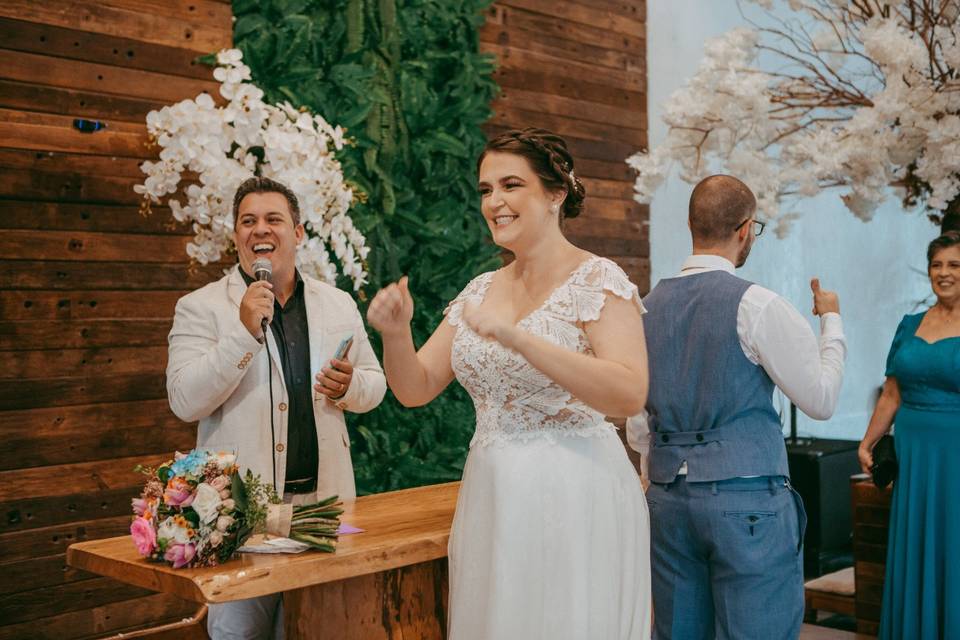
<point>388,582</point>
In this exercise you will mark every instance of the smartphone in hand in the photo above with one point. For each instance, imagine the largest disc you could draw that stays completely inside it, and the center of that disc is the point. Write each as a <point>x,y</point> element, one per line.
<point>344,348</point>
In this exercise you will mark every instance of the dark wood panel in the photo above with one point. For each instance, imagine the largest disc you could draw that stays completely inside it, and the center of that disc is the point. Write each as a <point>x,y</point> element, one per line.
<point>94,17</point>
<point>545,81</point>
<point>52,392</point>
<point>83,268</point>
<point>87,305</point>
<point>587,168</point>
<point>73,421</point>
<point>505,115</point>
<point>66,216</point>
<point>78,104</point>
<point>629,8</point>
<point>100,78</point>
<point>599,236</point>
<point>603,228</point>
<point>611,209</point>
<point>49,541</point>
<point>610,246</point>
<point>544,42</point>
<point>556,25</point>
<point>70,479</point>
<point>604,188</point>
<point>29,184</point>
<point>83,334</point>
<point>63,137</point>
<point>37,512</point>
<point>103,440</point>
<point>50,40</point>
<point>218,15</point>
<point>575,70</point>
<point>19,244</point>
<point>73,163</point>
<point>36,573</point>
<point>88,594</point>
<point>51,119</point>
<point>82,362</point>
<point>571,108</point>
<point>112,618</point>
<point>594,16</point>
<point>74,276</point>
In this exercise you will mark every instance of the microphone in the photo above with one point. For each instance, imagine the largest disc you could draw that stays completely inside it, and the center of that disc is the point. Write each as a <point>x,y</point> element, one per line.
<point>263,270</point>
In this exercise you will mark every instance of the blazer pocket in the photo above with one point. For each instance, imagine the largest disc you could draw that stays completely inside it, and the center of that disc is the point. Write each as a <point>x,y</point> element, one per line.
<point>339,327</point>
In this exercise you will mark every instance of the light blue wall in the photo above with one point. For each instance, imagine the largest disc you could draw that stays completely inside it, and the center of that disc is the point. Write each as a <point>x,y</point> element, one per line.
<point>878,268</point>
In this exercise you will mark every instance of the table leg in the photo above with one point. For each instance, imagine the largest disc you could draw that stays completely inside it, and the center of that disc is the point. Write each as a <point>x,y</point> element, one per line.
<point>409,603</point>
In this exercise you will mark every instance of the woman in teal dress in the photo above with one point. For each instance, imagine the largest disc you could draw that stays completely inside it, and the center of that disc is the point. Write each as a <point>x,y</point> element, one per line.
<point>921,594</point>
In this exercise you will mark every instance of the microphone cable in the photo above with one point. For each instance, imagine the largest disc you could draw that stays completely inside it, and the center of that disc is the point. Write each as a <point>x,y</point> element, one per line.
<point>273,436</point>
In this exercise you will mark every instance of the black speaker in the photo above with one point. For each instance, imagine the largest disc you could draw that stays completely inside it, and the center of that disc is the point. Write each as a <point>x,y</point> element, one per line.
<point>820,471</point>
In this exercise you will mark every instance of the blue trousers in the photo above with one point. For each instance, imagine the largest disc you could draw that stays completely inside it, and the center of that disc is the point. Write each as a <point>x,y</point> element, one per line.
<point>726,559</point>
<point>252,619</point>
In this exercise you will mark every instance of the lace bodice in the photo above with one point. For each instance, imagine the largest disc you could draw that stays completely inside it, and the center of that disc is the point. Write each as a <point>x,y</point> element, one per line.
<point>511,397</point>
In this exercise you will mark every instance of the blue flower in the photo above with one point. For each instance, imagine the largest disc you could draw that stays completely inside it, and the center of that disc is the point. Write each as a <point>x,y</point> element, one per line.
<point>192,463</point>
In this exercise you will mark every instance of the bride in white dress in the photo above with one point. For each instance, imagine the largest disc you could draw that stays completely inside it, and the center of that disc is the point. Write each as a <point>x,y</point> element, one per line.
<point>551,536</point>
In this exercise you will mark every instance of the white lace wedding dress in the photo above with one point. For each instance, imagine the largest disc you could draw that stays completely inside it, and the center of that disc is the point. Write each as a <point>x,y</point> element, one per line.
<point>550,540</point>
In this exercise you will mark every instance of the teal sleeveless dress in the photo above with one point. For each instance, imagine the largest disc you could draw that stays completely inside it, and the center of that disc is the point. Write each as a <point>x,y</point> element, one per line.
<point>921,595</point>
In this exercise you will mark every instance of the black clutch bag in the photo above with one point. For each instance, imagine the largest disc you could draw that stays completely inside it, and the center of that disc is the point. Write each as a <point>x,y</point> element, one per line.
<point>884,469</point>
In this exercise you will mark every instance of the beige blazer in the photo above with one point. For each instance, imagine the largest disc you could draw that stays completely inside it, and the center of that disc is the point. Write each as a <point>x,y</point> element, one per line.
<point>217,373</point>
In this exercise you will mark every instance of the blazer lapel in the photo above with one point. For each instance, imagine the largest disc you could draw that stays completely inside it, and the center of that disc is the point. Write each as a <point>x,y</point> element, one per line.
<point>314,304</point>
<point>236,289</point>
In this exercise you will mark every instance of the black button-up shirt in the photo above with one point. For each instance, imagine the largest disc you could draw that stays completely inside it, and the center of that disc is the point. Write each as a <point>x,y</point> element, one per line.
<point>292,336</point>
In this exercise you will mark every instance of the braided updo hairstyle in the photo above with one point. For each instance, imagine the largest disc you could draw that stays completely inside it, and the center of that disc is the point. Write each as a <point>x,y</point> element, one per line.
<point>549,158</point>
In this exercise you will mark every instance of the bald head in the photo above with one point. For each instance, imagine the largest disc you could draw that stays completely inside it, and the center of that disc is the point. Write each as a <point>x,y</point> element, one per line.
<point>717,205</point>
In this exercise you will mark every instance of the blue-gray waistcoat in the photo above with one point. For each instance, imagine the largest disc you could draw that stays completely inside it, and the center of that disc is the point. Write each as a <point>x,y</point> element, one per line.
<point>708,404</point>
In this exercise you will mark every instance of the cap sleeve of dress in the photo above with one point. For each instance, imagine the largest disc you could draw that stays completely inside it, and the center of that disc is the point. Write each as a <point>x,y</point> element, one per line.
<point>599,279</point>
<point>907,327</point>
<point>474,291</point>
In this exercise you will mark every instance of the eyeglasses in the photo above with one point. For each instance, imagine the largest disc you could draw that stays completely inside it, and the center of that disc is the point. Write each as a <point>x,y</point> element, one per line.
<point>757,226</point>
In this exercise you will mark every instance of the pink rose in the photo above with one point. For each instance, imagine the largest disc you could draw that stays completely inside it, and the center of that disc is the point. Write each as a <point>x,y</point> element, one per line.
<point>139,506</point>
<point>178,493</point>
<point>144,537</point>
<point>220,483</point>
<point>180,554</point>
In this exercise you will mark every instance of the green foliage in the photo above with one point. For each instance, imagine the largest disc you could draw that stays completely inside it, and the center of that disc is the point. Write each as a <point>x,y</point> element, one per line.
<point>406,79</point>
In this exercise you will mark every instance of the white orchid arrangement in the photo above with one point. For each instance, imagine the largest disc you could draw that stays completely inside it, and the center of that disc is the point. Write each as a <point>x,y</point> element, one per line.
<point>865,96</point>
<point>225,145</point>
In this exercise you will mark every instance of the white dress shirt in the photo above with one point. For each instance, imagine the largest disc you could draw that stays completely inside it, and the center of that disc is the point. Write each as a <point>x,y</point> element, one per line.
<point>775,336</point>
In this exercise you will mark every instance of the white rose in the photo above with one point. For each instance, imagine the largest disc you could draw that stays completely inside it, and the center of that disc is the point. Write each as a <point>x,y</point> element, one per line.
<point>206,503</point>
<point>216,538</point>
<point>170,530</point>
<point>229,504</point>
<point>224,522</point>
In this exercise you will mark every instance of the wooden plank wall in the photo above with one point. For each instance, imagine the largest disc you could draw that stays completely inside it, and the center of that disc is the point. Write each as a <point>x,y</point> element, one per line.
<point>578,68</point>
<point>871,520</point>
<point>87,288</point>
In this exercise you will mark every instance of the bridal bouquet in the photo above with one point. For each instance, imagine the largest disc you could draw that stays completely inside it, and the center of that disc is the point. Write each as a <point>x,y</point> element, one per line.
<point>196,511</point>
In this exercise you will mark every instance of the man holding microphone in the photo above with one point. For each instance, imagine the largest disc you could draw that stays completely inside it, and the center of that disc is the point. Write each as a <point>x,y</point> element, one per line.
<point>274,397</point>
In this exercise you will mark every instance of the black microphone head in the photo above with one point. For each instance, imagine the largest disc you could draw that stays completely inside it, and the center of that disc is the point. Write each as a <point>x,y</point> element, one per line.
<point>262,269</point>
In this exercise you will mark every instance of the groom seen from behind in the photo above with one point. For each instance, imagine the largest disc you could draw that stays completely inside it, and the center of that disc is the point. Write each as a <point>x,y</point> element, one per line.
<point>726,526</point>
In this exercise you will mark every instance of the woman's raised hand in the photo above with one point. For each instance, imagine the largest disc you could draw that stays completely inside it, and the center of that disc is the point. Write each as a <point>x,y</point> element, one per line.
<point>489,325</point>
<point>391,310</point>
